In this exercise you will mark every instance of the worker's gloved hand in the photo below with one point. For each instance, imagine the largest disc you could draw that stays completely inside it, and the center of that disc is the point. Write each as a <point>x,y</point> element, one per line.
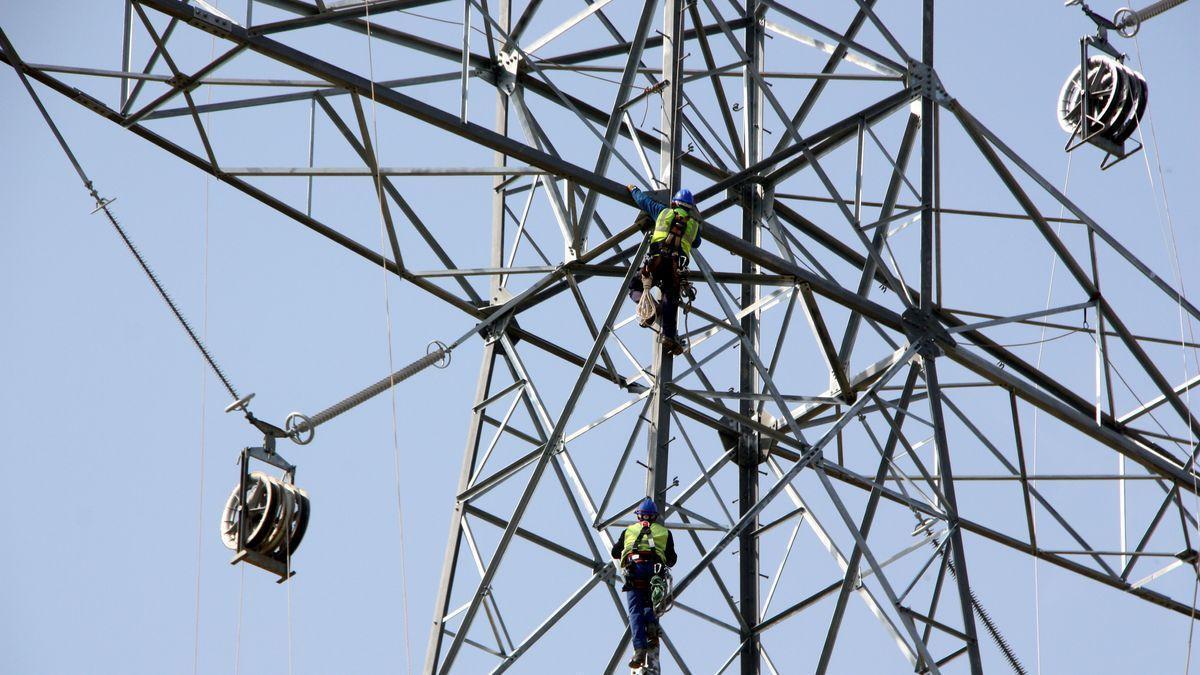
<point>631,187</point>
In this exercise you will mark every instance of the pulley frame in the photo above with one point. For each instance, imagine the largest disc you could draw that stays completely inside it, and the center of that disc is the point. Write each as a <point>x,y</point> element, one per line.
<point>267,455</point>
<point>1091,130</point>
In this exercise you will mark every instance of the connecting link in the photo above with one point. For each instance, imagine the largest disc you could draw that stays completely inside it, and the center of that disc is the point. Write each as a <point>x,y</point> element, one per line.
<point>923,80</point>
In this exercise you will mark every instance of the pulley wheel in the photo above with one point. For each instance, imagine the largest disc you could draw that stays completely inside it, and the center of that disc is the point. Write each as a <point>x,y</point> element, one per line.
<point>261,496</point>
<point>1103,90</point>
<point>1123,102</point>
<point>1138,90</point>
<point>281,517</point>
<point>299,524</point>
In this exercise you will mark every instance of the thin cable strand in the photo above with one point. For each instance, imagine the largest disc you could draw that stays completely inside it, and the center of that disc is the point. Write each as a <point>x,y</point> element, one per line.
<point>387,308</point>
<point>203,393</point>
<point>1172,246</point>
<point>237,636</point>
<point>1037,602</point>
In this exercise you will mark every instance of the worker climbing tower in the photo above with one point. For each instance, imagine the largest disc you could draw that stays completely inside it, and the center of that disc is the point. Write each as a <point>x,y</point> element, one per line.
<point>854,385</point>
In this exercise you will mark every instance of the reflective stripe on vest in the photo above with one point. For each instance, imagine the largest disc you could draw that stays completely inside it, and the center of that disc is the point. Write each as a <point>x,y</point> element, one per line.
<point>662,227</point>
<point>657,541</point>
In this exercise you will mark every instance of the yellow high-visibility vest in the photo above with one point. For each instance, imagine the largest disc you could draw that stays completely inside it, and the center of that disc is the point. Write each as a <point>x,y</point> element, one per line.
<point>662,227</point>
<point>656,541</point>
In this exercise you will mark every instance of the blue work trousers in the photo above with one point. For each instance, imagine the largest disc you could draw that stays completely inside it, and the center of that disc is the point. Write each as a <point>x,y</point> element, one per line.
<point>642,621</point>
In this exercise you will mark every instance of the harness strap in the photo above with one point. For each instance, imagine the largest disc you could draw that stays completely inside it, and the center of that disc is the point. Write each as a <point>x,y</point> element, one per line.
<point>644,533</point>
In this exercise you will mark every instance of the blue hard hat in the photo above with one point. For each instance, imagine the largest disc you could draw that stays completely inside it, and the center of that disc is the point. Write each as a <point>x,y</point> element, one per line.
<point>647,508</point>
<point>684,196</point>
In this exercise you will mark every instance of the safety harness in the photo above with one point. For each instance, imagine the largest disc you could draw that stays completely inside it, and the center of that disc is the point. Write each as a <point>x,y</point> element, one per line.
<point>659,584</point>
<point>636,553</point>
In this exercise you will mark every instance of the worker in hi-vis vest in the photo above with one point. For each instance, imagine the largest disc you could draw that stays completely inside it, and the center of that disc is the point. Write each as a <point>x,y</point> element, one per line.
<point>644,545</point>
<point>676,231</point>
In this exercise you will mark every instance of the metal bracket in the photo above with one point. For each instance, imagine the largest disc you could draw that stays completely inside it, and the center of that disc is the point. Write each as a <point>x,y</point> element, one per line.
<point>730,437</point>
<point>210,23</point>
<point>607,572</point>
<point>506,75</point>
<point>923,81</point>
<point>269,456</point>
<point>497,330</point>
<point>766,205</point>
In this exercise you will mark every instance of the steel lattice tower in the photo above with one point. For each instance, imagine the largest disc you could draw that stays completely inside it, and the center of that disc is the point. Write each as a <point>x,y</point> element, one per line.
<point>855,429</point>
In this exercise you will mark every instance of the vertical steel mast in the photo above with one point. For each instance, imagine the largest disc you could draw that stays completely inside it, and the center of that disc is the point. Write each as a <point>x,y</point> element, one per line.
<point>663,368</point>
<point>930,268</point>
<point>748,380</point>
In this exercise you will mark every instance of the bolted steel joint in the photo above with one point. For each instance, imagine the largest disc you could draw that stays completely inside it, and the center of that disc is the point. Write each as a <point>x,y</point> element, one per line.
<point>921,327</point>
<point>922,80</point>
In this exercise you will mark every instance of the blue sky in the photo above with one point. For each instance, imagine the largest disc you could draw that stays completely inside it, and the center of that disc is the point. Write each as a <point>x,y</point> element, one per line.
<point>117,457</point>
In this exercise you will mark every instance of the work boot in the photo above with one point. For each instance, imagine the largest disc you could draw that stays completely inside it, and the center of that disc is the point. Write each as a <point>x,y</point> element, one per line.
<point>639,658</point>
<point>651,667</point>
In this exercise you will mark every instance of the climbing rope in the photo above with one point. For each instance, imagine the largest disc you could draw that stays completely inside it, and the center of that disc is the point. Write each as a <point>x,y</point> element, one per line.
<point>237,640</point>
<point>287,574</point>
<point>431,358</point>
<point>1037,603</point>
<point>203,395</point>
<point>1172,246</point>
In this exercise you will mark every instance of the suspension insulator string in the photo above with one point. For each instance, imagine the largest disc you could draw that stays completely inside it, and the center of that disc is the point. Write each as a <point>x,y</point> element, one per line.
<point>102,205</point>
<point>300,428</point>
